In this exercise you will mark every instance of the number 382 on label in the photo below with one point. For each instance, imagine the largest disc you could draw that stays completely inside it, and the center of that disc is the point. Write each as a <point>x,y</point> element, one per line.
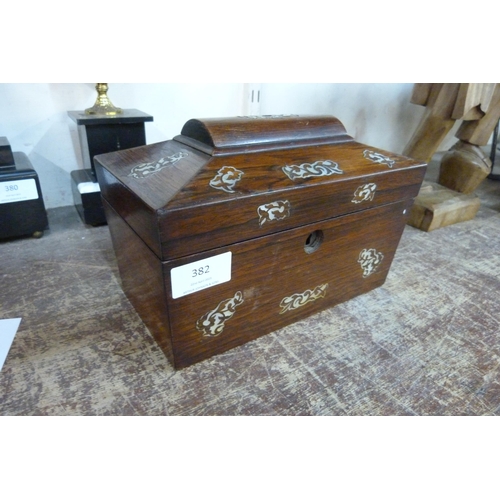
<point>200,271</point>
<point>201,274</point>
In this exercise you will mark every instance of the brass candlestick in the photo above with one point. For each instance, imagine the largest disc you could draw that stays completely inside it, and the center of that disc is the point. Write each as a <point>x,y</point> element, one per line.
<point>102,106</point>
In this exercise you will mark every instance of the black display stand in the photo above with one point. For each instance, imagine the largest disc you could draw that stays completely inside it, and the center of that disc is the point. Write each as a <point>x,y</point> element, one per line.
<point>22,210</point>
<point>101,134</point>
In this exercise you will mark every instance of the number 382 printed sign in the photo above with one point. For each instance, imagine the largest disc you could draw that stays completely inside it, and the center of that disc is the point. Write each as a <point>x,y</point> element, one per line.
<point>201,274</point>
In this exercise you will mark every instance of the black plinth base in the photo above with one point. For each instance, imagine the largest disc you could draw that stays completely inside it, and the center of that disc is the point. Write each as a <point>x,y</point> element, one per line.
<point>104,134</point>
<point>87,197</point>
<point>22,210</point>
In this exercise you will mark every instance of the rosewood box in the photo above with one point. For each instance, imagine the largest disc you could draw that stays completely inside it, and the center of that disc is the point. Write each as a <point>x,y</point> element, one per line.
<point>240,226</point>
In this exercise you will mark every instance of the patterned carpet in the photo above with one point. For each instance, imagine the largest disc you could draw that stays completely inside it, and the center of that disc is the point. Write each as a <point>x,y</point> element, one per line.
<point>425,343</point>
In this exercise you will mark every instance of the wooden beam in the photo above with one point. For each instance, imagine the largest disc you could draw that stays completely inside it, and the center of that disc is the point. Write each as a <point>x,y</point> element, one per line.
<point>435,124</point>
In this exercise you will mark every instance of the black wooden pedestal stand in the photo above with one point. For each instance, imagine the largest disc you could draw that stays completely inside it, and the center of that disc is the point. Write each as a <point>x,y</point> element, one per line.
<point>101,134</point>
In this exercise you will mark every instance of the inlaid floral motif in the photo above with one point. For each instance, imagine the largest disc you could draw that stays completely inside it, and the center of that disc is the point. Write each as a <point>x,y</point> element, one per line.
<point>378,158</point>
<point>276,210</point>
<point>226,179</point>
<point>299,299</point>
<point>212,323</point>
<point>369,259</point>
<point>317,169</point>
<point>147,169</point>
<point>366,192</point>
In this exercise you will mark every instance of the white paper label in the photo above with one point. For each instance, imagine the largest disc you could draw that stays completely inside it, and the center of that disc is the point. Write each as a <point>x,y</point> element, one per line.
<point>21,190</point>
<point>201,274</point>
<point>88,187</point>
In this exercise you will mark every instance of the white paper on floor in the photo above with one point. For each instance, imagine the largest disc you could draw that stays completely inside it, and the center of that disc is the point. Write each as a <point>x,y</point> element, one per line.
<point>8,330</point>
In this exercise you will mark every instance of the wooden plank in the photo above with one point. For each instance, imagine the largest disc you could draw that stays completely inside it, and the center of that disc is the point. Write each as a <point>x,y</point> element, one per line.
<point>436,207</point>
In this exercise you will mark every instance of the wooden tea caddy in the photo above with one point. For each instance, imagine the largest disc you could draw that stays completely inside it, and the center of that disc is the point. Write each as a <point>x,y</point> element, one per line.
<point>240,226</point>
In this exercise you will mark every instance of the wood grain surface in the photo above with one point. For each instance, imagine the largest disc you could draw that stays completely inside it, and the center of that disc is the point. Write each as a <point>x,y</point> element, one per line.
<point>200,206</point>
<point>178,212</point>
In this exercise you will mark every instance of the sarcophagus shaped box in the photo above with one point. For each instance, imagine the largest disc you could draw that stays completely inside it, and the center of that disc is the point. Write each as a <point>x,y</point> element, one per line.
<point>238,227</point>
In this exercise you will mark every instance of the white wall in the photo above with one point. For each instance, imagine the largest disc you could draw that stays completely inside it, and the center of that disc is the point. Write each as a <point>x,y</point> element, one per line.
<point>35,121</point>
<point>34,116</point>
<point>379,115</point>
